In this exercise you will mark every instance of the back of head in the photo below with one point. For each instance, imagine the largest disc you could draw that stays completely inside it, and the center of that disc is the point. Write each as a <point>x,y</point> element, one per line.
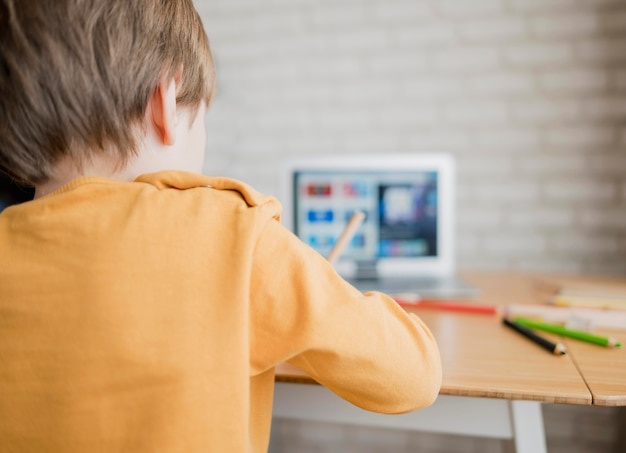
<point>76,76</point>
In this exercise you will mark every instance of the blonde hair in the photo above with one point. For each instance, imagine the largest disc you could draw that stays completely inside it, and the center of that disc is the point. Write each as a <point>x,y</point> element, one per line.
<point>76,76</point>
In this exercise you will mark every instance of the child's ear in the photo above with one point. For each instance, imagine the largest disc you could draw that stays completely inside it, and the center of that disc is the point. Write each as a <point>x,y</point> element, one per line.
<point>163,109</point>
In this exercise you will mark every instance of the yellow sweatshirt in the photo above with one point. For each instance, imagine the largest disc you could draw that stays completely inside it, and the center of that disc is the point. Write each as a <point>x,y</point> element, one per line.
<point>149,317</point>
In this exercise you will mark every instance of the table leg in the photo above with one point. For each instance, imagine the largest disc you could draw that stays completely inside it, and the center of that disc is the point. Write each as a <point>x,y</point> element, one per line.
<point>528,429</point>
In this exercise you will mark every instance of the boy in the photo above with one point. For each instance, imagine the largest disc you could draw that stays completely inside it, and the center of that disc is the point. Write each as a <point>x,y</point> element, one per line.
<point>144,310</point>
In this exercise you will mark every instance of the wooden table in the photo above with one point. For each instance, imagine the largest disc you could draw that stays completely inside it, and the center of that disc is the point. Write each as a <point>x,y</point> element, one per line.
<point>494,379</point>
<point>603,369</point>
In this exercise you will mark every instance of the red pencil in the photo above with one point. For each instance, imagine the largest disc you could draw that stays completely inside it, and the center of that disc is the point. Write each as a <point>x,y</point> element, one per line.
<point>448,305</point>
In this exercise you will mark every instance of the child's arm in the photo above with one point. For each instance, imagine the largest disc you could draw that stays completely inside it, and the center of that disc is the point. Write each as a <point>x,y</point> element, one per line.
<point>365,348</point>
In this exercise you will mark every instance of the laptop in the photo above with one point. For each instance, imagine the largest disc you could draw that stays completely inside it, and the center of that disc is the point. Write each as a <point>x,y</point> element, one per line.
<point>406,241</point>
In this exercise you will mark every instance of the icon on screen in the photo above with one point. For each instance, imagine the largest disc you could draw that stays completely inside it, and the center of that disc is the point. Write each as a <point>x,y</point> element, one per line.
<point>320,215</point>
<point>319,190</point>
<point>355,189</point>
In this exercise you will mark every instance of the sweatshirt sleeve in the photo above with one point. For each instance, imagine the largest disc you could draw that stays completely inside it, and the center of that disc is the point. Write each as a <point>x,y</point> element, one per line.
<point>363,347</point>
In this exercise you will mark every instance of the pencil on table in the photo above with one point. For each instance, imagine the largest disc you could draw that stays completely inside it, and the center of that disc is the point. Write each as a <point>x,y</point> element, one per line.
<point>571,333</point>
<point>353,224</point>
<point>554,348</point>
<point>448,305</point>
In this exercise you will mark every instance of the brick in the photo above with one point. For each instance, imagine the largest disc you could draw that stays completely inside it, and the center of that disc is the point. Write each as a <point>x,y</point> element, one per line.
<point>475,8</point>
<point>405,116</point>
<point>605,50</point>
<point>622,137</point>
<point>466,242</point>
<point>496,29</point>
<point>521,244</point>
<point>559,25</point>
<point>479,219</point>
<point>502,84</point>
<point>400,12</point>
<point>494,112</point>
<point>338,16</point>
<point>582,243</point>
<point>611,165</point>
<point>580,190</point>
<point>581,136</point>
<point>284,118</point>
<point>423,35</point>
<point>507,192</point>
<point>603,219</point>
<point>560,266</point>
<point>614,21</point>
<point>241,52</point>
<point>620,79</point>
<point>251,100</point>
<point>308,93</point>
<point>301,47</point>
<point>542,6</point>
<point>332,68</point>
<point>365,92</point>
<point>396,64</point>
<point>358,40</point>
<point>425,87</point>
<point>616,266</point>
<point>272,22</point>
<point>309,142</point>
<point>226,27</point>
<point>544,111</point>
<point>273,71</point>
<point>538,54</point>
<point>481,166</point>
<point>467,59</point>
<point>225,6</point>
<point>478,262</point>
<point>508,138</point>
<point>553,165</point>
<point>607,108</point>
<point>572,81</point>
<point>437,140</point>
<point>541,218</point>
<point>345,119</point>
<point>366,143</point>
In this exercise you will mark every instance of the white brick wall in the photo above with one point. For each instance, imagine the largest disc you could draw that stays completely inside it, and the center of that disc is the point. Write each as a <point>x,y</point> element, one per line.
<point>528,95</point>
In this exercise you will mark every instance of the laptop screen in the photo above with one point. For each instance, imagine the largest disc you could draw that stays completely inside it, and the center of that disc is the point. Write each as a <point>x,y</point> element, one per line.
<point>400,211</point>
<point>407,201</point>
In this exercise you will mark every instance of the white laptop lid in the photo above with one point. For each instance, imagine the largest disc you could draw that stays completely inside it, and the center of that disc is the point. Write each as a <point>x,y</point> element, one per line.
<point>408,200</point>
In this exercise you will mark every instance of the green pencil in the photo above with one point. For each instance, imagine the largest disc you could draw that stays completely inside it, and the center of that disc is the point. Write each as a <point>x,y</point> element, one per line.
<point>565,332</point>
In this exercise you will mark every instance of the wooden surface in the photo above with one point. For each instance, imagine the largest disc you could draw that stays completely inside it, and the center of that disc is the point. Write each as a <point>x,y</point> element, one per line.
<point>483,358</point>
<point>604,369</point>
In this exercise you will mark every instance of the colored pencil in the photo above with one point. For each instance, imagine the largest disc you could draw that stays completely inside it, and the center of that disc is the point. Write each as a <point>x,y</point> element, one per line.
<point>447,305</point>
<point>590,301</point>
<point>565,332</point>
<point>554,348</point>
<point>353,224</point>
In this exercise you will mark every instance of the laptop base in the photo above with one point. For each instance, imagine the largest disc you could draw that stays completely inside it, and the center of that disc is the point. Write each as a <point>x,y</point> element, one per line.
<point>443,287</point>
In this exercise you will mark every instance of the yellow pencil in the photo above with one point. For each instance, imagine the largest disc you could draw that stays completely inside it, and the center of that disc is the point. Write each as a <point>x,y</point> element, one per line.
<point>575,300</point>
<point>353,224</point>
